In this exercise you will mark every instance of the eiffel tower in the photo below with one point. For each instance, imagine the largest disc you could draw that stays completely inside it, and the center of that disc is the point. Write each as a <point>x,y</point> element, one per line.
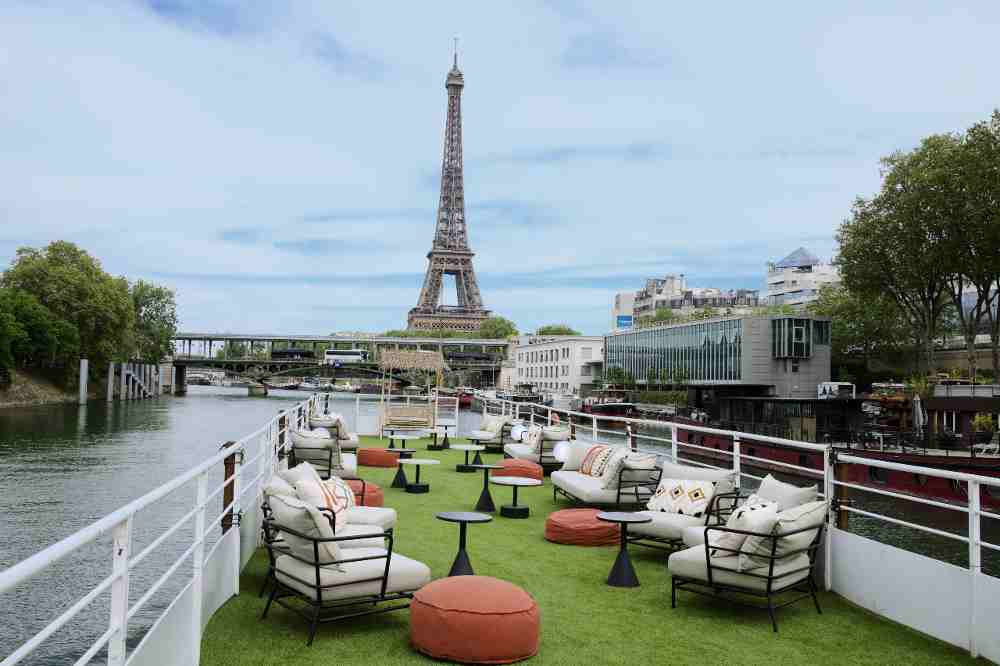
<point>450,253</point>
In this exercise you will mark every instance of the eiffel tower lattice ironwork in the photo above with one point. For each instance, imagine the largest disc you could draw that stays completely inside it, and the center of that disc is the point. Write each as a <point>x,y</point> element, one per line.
<point>450,253</point>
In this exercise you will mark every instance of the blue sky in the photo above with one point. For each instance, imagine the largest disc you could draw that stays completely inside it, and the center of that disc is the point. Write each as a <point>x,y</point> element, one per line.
<point>277,164</point>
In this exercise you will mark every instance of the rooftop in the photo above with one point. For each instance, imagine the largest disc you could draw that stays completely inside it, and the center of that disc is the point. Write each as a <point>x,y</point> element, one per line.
<point>798,258</point>
<point>584,621</point>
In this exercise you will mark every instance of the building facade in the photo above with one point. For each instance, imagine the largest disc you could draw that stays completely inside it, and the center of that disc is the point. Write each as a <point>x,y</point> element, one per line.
<point>623,312</point>
<point>780,356</point>
<point>797,279</point>
<point>560,363</point>
<point>671,292</point>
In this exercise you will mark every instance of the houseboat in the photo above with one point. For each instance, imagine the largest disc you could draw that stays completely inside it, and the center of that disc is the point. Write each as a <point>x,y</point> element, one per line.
<point>609,402</point>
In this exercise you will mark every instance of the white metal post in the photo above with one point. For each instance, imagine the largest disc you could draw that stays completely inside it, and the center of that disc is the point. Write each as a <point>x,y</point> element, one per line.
<point>593,426</point>
<point>198,560</point>
<point>111,381</point>
<point>975,564</point>
<point>831,518</point>
<point>121,543</point>
<point>357,413</point>
<point>237,479</point>
<point>736,461</point>
<point>673,442</point>
<point>548,416</point>
<point>84,369</point>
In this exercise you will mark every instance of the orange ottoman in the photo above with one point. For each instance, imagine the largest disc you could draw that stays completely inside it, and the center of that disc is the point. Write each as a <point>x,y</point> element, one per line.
<point>377,457</point>
<point>517,467</point>
<point>580,527</point>
<point>373,495</point>
<point>475,620</point>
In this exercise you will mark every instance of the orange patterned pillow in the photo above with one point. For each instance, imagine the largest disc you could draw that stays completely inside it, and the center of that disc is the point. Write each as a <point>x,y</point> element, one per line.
<point>596,457</point>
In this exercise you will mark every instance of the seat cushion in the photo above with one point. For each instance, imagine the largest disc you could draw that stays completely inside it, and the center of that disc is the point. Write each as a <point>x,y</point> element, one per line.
<point>382,517</point>
<point>690,563</point>
<point>372,457</point>
<point>373,495</point>
<point>590,489</point>
<point>521,451</point>
<point>521,468</point>
<point>475,620</point>
<point>693,535</point>
<point>664,525</point>
<point>405,575</point>
<point>580,527</point>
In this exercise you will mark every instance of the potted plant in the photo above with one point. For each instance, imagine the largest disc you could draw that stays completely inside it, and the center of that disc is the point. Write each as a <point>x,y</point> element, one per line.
<point>982,427</point>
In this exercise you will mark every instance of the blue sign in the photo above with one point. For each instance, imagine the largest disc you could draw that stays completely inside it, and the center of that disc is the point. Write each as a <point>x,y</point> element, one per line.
<point>624,321</point>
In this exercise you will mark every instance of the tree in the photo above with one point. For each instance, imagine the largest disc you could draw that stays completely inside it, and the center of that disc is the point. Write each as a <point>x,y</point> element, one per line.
<point>233,349</point>
<point>74,288</point>
<point>495,328</point>
<point>155,320</point>
<point>556,329</point>
<point>892,243</point>
<point>867,326</point>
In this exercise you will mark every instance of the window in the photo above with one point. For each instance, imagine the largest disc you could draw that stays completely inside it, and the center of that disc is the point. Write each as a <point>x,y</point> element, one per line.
<point>584,370</point>
<point>585,353</point>
<point>878,475</point>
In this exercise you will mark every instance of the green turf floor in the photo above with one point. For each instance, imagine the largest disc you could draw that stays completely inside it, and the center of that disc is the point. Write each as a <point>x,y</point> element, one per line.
<point>583,620</point>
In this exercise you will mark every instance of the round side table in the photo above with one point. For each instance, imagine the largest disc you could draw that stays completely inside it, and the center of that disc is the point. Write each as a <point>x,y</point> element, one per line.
<point>515,510</point>
<point>485,502</point>
<point>469,448</point>
<point>416,486</point>
<point>461,566</point>
<point>399,481</point>
<point>622,574</point>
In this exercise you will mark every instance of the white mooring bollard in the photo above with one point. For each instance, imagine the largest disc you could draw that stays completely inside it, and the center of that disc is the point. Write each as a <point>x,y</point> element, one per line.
<point>84,368</point>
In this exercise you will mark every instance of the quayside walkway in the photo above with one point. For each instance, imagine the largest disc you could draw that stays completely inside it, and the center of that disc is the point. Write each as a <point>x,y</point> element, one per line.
<point>584,621</point>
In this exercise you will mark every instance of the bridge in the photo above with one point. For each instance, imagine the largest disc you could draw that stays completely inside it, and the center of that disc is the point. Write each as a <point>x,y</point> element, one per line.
<point>481,357</point>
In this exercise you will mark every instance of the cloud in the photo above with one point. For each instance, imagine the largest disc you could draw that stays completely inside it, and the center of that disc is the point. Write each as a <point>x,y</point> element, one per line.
<point>318,247</point>
<point>360,215</point>
<point>603,50</point>
<point>241,236</point>
<point>221,17</point>
<point>343,60</point>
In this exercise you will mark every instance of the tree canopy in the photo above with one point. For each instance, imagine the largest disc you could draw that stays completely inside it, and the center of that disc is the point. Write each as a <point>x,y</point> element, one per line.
<point>155,320</point>
<point>495,328</point>
<point>556,329</point>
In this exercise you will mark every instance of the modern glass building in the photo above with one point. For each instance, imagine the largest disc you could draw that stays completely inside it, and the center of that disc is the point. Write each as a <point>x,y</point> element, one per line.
<point>783,355</point>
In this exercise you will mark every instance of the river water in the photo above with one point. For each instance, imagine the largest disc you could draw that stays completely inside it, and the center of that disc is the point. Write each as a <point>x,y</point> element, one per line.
<point>63,467</point>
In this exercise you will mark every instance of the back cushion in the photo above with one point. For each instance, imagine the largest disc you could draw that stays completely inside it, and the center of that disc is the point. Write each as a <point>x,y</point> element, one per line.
<point>300,472</point>
<point>688,497</point>
<point>295,514</point>
<point>278,486</point>
<point>574,458</point>
<point>786,495</point>
<point>324,496</point>
<point>755,551</point>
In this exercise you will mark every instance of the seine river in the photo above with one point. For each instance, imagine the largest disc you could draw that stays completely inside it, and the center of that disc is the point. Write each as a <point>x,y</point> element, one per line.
<point>63,467</point>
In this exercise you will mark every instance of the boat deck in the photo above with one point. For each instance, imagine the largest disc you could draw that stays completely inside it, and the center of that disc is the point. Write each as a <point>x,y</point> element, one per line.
<point>583,620</point>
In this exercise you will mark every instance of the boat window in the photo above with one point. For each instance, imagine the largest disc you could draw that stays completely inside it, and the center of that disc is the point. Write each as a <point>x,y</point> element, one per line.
<point>921,479</point>
<point>878,475</point>
<point>803,460</point>
<point>751,451</point>
<point>959,487</point>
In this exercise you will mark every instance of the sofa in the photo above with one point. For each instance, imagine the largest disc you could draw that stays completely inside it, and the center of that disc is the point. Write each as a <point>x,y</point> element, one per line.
<point>491,431</point>
<point>537,444</point>
<point>631,480</point>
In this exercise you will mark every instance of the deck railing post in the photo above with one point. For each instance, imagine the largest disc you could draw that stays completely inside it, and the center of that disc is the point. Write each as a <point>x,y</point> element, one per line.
<point>673,442</point>
<point>975,563</point>
<point>357,413</point>
<point>229,470</point>
<point>828,498</point>
<point>198,561</point>
<point>593,426</point>
<point>737,467</point>
<point>121,542</point>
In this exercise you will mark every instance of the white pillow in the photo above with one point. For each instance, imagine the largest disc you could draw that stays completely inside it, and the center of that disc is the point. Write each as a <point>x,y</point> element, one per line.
<point>533,438</point>
<point>756,515</point>
<point>641,461</point>
<point>295,514</point>
<point>278,486</point>
<point>785,495</point>
<point>575,454</point>
<point>331,497</point>
<point>301,471</point>
<point>338,485</point>
<point>609,479</point>
<point>755,551</point>
<point>688,497</point>
<point>555,433</point>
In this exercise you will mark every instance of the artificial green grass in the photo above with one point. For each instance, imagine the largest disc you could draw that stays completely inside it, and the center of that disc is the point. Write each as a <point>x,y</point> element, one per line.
<point>584,621</point>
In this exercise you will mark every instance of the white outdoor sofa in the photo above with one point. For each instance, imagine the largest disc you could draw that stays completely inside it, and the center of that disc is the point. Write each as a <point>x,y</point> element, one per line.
<point>632,486</point>
<point>324,452</point>
<point>544,453</point>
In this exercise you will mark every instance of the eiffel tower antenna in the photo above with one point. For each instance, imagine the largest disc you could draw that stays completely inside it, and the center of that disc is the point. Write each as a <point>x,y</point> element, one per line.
<point>450,253</point>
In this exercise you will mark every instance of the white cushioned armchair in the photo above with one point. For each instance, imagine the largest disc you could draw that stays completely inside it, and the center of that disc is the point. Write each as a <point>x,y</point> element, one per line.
<point>628,485</point>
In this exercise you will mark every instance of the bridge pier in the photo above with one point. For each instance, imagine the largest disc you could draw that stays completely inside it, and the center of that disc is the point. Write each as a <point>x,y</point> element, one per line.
<point>257,391</point>
<point>180,380</point>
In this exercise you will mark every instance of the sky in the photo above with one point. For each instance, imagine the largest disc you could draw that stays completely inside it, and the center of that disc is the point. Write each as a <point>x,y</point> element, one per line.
<point>278,164</point>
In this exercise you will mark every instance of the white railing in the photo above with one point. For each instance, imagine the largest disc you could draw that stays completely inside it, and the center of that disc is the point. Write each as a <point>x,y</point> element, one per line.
<point>212,571</point>
<point>961,608</point>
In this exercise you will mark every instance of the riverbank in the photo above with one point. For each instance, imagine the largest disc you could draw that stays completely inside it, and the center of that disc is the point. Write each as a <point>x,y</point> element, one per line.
<point>29,390</point>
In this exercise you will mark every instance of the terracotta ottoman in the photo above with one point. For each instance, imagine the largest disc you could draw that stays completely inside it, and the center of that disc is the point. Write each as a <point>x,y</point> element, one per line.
<point>517,467</point>
<point>373,493</point>
<point>371,457</point>
<point>580,527</point>
<point>475,620</point>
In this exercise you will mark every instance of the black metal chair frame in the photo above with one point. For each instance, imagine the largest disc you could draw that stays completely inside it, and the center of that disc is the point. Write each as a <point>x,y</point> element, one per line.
<point>806,587</point>
<point>546,457</point>
<point>624,485</point>
<point>715,514</point>
<point>316,607</point>
<point>329,469</point>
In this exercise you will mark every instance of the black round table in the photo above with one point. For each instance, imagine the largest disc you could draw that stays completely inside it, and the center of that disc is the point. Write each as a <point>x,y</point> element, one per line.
<point>485,502</point>
<point>400,481</point>
<point>467,466</point>
<point>622,574</point>
<point>461,565</point>
<point>416,486</point>
<point>515,510</point>
<point>444,443</point>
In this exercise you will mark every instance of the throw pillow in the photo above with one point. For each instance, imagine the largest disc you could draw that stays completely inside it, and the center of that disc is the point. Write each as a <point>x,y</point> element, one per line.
<point>575,454</point>
<point>338,486</point>
<point>587,464</point>
<point>640,461</point>
<point>278,486</point>
<point>755,551</point>
<point>295,514</point>
<point>689,497</point>
<point>756,515</point>
<point>533,438</point>
<point>785,495</point>
<point>301,471</point>
<point>316,493</point>
<point>609,479</point>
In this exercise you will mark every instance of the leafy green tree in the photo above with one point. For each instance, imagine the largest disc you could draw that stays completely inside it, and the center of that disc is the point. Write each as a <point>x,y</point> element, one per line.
<point>74,288</point>
<point>556,329</point>
<point>11,335</point>
<point>155,320</point>
<point>496,328</point>
<point>893,242</point>
<point>869,326</point>
<point>234,349</point>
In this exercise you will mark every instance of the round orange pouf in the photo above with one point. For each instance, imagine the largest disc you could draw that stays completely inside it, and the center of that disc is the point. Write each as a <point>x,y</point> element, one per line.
<point>475,620</point>
<point>377,457</point>
<point>373,493</point>
<point>517,467</point>
<point>580,527</point>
